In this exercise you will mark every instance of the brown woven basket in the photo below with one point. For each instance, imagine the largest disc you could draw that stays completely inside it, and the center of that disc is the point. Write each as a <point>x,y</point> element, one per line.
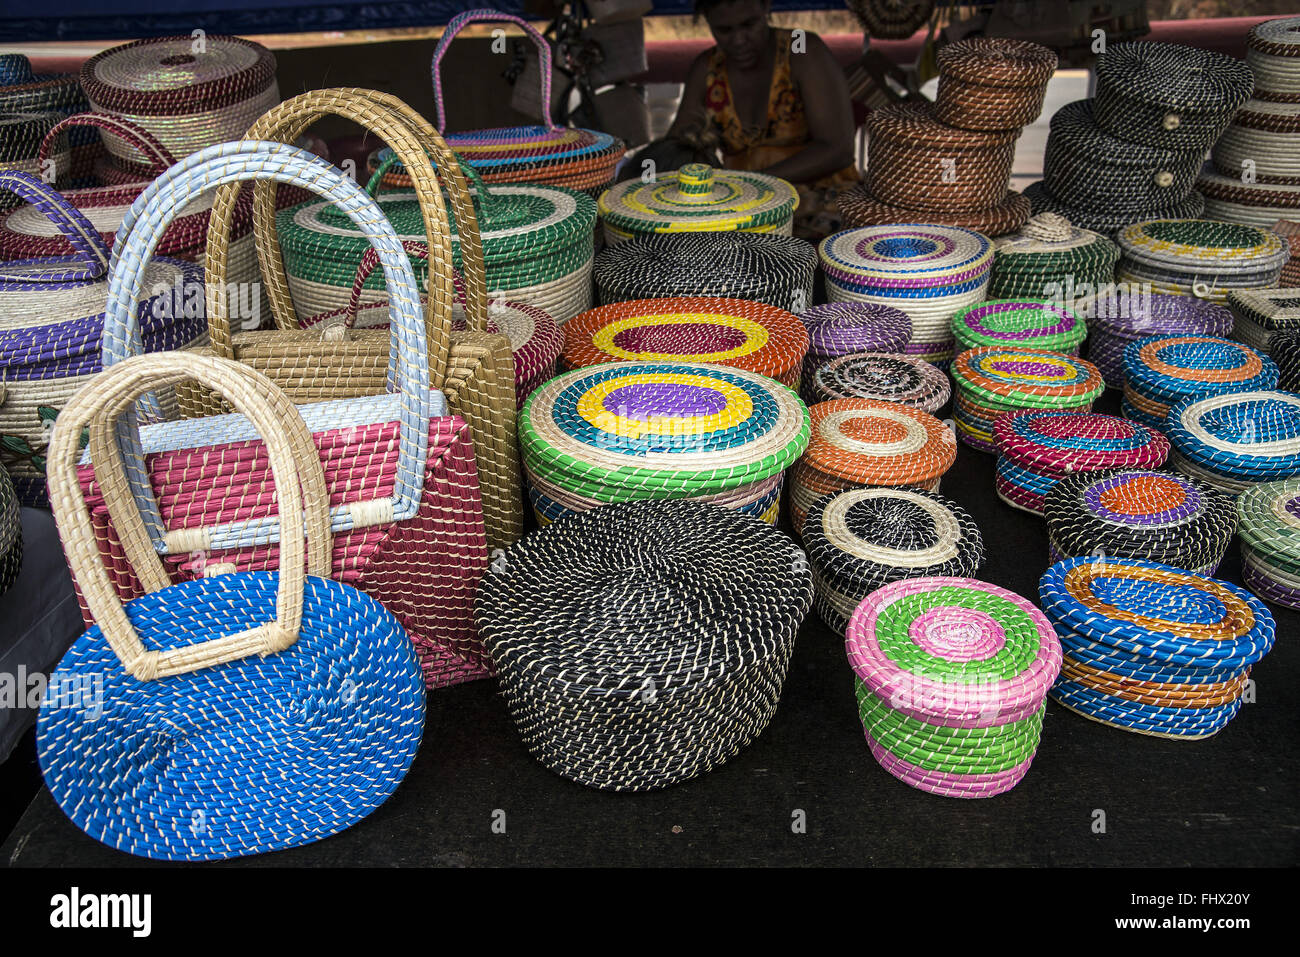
<point>992,83</point>
<point>859,208</point>
<point>916,162</point>
<point>473,368</point>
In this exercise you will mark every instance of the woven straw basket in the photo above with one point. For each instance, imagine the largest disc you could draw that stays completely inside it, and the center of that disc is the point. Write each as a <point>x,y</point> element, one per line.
<point>195,681</point>
<point>404,489</point>
<point>473,368</point>
<point>11,529</point>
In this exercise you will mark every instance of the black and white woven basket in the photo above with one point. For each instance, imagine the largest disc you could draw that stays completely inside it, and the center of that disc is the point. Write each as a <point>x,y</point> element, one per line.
<point>1107,222</point>
<point>642,644</point>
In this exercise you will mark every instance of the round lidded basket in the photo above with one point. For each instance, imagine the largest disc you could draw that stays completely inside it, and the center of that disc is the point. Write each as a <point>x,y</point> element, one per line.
<point>1236,440</point>
<point>1051,259</point>
<point>698,198</point>
<point>1087,167</point>
<point>842,328</point>
<point>730,332</point>
<point>1108,221</point>
<point>1273,55</point>
<point>1260,145</point>
<point>991,380</point>
<point>20,144</point>
<point>1038,324</point>
<point>1200,257</point>
<point>1138,513</point>
<point>992,83</point>
<point>1119,320</point>
<point>1038,447</point>
<point>926,271</point>
<point>188,92</point>
<point>952,679</point>
<point>1269,516</point>
<point>859,208</point>
<point>1284,348</point>
<point>1259,313</point>
<point>1169,95</point>
<point>24,91</point>
<point>638,430</point>
<point>864,442</point>
<point>884,377</point>
<point>1150,648</point>
<point>1160,371</point>
<point>919,163</point>
<point>764,267</point>
<point>861,538</point>
<point>645,643</point>
<point>1229,200</point>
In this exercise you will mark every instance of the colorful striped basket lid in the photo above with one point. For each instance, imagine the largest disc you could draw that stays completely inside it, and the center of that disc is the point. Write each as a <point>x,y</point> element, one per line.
<point>1271,51</point>
<point>645,643</point>
<point>952,676</point>
<point>1048,258</point>
<point>189,92</point>
<point>1118,320</point>
<point>927,271</point>
<point>1086,166</point>
<point>1139,513</point>
<point>1236,440</point>
<point>639,430</point>
<point>1159,371</point>
<point>841,328</point>
<point>1036,323</point>
<point>545,153</point>
<point>764,267</point>
<point>883,377</point>
<point>1151,648</point>
<point>1037,447</point>
<point>11,528</point>
<point>858,207</point>
<point>698,198</point>
<point>1269,516</point>
<point>1200,257</point>
<point>861,538</point>
<point>731,332</point>
<point>1168,94</point>
<point>1258,313</point>
<point>1108,221</point>
<point>865,442</point>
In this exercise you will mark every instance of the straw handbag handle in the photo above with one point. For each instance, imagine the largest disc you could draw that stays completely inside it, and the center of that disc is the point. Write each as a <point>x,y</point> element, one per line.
<point>370,260</point>
<point>87,244</point>
<point>235,162</point>
<point>484,198</point>
<point>416,142</point>
<point>139,137</point>
<point>458,23</point>
<point>299,484</point>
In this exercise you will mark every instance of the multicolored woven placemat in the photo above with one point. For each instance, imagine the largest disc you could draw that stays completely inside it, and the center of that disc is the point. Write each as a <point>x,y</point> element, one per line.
<point>1160,371</point>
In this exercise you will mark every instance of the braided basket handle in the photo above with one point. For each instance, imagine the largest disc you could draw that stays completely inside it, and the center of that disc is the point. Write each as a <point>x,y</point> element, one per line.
<point>416,250</point>
<point>458,23</point>
<point>483,195</point>
<point>299,484</point>
<point>88,246</point>
<point>134,134</point>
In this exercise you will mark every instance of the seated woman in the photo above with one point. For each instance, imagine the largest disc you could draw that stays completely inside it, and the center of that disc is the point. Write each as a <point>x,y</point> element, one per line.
<point>777,102</point>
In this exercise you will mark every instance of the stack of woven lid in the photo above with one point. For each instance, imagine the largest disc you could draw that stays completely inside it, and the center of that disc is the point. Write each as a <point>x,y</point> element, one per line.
<point>1134,152</point>
<point>838,329</point>
<point>189,92</point>
<point>1259,314</point>
<point>1121,319</point>
<point>1199,257</point>
<point>1036,448</point>
<point>538,245</point>
<point>928,272</point>
<point>1284,348</point>
<point>1152,648</point>
<point>738,333</point>
<point>950,163</point>
<point>24,91</point>
<point>1269,516</point>
<point>1160,371</point>
<point>1236,440</point>
<point>861,538</point>
<point>1051,259</point>
<point>650,430</point>
<point>864,442</point>
<point>1137,513</point>
<point>992,380</point>
<point>777,270</point>
<point>952,682</point>
<point>699,199</point>
<point>1289,230</point>
<point>1033,323</point>
<point>1256,174</point>
<point>881,376</point>
<point>645,643</point>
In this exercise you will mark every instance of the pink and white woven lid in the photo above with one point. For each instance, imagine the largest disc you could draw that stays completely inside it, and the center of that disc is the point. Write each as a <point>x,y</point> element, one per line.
<point>1044,439</point>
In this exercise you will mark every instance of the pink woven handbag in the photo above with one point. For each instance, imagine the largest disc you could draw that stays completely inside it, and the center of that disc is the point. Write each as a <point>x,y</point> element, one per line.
<point>404,495</point>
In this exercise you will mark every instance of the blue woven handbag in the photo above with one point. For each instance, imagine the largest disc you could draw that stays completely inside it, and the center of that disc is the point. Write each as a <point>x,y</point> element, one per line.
<point>235,714</point>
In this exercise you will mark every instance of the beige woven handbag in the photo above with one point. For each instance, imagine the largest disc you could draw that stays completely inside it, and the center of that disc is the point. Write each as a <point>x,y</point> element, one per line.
<point>474,369</point>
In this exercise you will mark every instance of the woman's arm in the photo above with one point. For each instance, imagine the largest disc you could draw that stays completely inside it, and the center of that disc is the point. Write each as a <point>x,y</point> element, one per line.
<point>827,106</point>
<point>692,115</point>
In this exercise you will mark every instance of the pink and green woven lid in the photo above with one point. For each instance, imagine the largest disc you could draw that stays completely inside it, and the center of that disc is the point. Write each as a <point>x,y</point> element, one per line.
<point>1038,324</point>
